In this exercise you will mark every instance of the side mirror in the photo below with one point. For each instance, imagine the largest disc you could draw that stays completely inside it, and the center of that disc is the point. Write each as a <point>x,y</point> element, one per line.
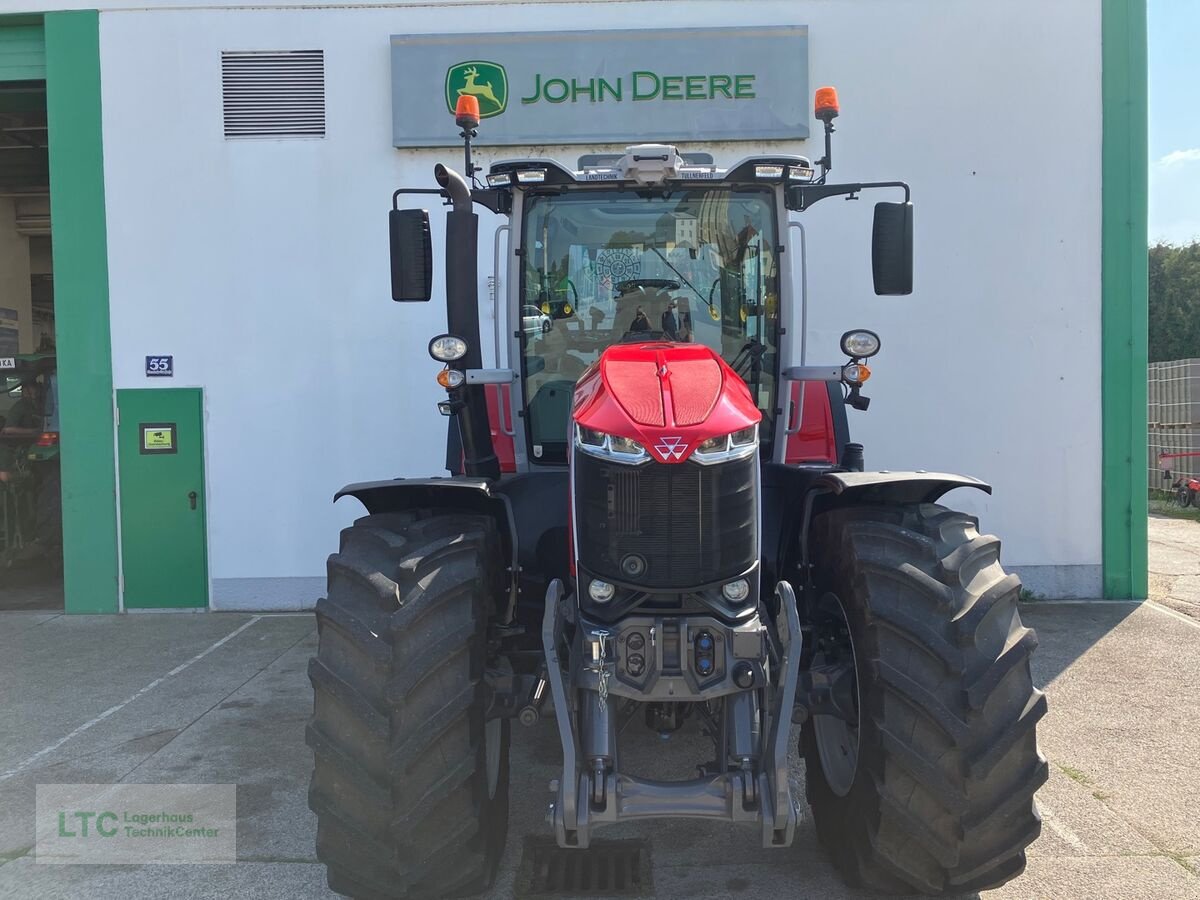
<point>892,248</point>
<point>412,255</point>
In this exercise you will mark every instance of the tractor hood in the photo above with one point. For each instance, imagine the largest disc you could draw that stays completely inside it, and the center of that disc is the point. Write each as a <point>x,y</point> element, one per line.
<point>668,397</point>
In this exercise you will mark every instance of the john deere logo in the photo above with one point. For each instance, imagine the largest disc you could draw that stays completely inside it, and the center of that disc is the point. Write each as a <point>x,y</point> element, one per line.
<point>485,81</point>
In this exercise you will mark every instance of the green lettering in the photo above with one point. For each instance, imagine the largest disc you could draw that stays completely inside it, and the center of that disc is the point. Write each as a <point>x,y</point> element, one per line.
<point>695,87</point>
<point>62,826</point>
<point>590,90</point>
<point>616,94</point>
<point>743,88</point>
<point>720,83</point>
<point>637,94</point>
<point>672,87</point>
<point>557,82</point>
<point>100,827</point>
<point>537,91</point>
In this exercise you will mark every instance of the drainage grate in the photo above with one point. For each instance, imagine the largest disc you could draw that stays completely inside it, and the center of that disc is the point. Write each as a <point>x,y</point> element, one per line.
<point>606,868</point>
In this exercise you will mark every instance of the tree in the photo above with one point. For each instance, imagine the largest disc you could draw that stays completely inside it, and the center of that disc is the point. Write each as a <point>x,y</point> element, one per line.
<point>1174,302</point>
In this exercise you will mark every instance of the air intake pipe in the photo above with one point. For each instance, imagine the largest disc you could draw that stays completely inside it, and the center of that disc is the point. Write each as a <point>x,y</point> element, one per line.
<point>462,319</point>
<point>454,185</point>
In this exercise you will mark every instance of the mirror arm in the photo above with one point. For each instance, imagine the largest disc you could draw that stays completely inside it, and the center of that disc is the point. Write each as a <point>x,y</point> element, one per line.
<point>813,193</point>
<point>498,201</point>
<point>396,194</point>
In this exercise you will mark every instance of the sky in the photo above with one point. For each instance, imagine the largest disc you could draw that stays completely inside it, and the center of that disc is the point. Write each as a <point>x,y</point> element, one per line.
<point>1174,121</point>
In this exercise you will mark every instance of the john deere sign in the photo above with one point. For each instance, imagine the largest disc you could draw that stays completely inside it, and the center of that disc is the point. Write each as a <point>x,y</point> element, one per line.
<point>589,87</point>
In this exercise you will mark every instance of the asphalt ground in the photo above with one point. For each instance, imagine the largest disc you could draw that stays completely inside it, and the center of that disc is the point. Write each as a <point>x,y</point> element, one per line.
<point>223,698</point>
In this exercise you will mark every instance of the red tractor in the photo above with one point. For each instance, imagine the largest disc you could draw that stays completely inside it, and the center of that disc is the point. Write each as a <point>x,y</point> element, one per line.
<point>654,512</point>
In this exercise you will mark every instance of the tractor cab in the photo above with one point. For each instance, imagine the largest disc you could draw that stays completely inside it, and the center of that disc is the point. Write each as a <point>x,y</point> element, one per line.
<point>616,253</point>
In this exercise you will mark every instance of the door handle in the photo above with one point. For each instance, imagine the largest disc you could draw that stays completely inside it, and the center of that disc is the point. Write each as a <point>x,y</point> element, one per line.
<point>192,499</point>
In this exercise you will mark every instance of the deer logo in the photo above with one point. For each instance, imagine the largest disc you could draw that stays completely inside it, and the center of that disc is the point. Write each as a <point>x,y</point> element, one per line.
<point>486,81</point>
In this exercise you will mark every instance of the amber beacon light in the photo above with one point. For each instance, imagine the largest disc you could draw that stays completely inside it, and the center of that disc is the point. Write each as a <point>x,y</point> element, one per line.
<point>466,112</point>
<point>826,105</point>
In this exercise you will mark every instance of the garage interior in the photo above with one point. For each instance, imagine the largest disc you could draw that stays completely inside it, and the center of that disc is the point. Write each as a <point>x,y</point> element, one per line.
<point>30,495</point>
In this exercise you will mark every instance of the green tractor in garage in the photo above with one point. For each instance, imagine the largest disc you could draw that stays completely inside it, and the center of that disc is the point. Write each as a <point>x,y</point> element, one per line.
<point>655,513</point>
<point>30,486</point>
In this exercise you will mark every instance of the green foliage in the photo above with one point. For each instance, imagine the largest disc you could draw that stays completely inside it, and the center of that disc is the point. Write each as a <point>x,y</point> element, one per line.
<point>1174,302</point>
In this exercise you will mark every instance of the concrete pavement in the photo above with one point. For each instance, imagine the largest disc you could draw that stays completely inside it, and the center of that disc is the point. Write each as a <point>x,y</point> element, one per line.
<point>224,697</point>
<point>1175,563</point>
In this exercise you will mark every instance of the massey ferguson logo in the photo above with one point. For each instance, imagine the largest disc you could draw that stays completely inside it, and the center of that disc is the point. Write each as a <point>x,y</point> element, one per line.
<point>671,447</point>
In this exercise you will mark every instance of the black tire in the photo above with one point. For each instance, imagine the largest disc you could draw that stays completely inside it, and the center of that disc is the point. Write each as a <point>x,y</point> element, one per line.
<point>406,805</point>
<point>48,513</point>
<point>941,797</point>
<point>1183,497</point>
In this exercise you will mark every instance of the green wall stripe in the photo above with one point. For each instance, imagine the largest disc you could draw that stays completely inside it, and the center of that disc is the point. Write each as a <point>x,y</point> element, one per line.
<point>22,53</point>
<point>1124,299</point>
<point>81,310</point>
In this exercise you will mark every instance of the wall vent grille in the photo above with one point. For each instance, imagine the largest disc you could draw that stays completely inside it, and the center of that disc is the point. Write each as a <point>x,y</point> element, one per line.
<point>273,93</point>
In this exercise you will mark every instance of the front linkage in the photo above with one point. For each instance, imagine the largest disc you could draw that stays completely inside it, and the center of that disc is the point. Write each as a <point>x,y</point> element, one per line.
<point>743,679</point>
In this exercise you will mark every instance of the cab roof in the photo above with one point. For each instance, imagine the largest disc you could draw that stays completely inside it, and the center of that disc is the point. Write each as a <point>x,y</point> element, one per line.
<point>650,164</point>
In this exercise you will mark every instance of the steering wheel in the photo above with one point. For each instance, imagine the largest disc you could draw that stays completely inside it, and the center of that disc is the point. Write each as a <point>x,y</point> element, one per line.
<point>632,284</point>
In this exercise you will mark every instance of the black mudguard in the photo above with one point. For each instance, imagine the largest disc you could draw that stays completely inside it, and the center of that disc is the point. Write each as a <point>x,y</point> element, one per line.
<point>892,487</point>
<point>795,494</point>
<point>458,493</point>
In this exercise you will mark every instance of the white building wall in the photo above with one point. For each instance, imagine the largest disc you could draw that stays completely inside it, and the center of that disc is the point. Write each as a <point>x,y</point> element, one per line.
<point>262,265</point>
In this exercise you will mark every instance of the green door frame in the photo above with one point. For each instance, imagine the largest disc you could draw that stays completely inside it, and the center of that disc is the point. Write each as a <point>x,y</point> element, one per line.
<point>1124,304</point>
<point>80,247</point>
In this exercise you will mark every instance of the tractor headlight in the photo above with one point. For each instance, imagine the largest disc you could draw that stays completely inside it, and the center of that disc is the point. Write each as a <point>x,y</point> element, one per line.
<point>601,591</point>
<point>610,446</point>
<point>860,344</point>
<point>726,447</point>
<point>736,591</point>
<point>447,348</point>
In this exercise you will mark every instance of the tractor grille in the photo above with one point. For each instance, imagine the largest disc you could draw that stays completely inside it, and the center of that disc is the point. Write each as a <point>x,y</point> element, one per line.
<point>692,524</point>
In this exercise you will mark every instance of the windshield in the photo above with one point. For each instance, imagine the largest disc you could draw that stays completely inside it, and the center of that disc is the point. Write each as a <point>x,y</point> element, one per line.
<point>602,266</point>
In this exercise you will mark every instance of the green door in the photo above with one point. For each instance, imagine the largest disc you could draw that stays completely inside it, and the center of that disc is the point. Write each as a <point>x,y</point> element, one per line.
<point>161,452</point>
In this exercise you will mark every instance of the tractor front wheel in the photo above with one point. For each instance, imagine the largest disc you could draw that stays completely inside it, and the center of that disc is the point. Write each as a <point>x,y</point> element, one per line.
<point>922,767</point>
<point>410,784</point>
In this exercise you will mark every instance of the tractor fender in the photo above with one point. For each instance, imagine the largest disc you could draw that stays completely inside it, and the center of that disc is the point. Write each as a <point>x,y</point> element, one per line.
<point>891,487</point>
<point>456,492</point>
<point>831,490</point>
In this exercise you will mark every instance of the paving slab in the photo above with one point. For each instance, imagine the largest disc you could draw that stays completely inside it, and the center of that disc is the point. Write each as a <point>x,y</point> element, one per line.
<point>1122,720</point>
<point>1174,557</point>
<point>1100,878</point>
<point>25,879</point>
<point>13,623</point>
